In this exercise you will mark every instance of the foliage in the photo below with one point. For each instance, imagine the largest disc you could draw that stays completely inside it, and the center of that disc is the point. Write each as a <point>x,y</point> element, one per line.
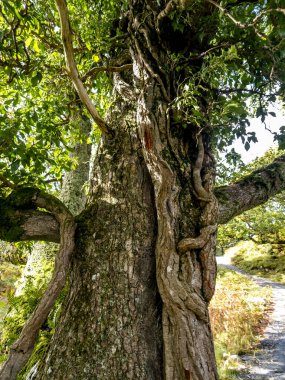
<point>265,260</point>
<point>237,311</point>
<point>37,132</point>
<point>21,306</point>
<point>9,273</point>
<point>236,65</point>
<point>15,253</point>
<point>231,68</point>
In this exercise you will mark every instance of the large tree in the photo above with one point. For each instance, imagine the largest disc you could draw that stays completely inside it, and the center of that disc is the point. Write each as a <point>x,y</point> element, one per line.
<point>177,79</point>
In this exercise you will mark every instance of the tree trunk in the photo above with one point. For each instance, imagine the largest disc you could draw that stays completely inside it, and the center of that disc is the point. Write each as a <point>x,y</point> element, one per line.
<point>142,203</point>
<point>111,323</point>
<point>147,235</point>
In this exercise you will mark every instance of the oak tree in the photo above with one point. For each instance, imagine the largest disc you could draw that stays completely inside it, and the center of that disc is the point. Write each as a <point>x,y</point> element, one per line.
<point>169,84</point>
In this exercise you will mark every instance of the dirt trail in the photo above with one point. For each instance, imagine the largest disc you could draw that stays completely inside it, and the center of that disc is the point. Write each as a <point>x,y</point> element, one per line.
<point>269,362</point>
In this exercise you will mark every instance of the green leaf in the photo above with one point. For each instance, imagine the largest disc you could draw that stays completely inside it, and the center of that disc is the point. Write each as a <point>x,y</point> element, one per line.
<point>15,165</point>
<point>36,78</point>
<point>28,41</point>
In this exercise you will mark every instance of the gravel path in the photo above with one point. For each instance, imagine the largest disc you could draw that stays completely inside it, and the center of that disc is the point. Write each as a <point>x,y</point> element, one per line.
<point>269,362</point>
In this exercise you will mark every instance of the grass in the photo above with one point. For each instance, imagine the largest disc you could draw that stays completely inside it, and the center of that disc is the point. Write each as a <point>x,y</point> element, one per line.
<point>237,314</point>
<point>265,260</point>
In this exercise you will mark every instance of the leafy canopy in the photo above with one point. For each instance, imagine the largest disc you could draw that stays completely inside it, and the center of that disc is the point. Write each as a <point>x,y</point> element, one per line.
<point>234,69</point>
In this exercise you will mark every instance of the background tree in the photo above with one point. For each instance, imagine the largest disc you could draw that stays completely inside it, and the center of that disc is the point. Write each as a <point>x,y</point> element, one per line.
<point>179,79</point>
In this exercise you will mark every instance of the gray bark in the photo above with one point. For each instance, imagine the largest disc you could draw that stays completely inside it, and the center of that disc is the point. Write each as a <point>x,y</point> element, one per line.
<point>111,322</point>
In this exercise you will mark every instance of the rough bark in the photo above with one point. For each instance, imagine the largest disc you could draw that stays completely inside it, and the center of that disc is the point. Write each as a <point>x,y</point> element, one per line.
<point>20,224</point>
<point>111,323</point>
<point>148,233</point>
<point>186,282</point>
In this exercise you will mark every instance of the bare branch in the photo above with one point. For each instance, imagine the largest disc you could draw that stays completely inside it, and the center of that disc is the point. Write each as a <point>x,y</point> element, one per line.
<point>21,223</point>
<point>66,35</point>
<point>250,25</point>
<point>21,350</point>
<point>251,191</point>
<point>39,226</point>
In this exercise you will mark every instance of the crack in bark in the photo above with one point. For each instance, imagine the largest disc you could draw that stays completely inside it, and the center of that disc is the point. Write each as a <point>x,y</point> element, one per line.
<point>182,303</point>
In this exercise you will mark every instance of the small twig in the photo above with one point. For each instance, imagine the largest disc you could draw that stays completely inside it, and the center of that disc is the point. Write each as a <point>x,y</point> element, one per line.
<point>66,34</point>
<point>201,55</point>
<point>246,26</point>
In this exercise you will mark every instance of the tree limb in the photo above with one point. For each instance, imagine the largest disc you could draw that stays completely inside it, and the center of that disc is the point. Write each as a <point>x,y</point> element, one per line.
<point>251,191</point>
<point>66,35</point>
<point>110,69</point>
<point>245,26</point>
<point>18,224</point>
<point>21,350</point>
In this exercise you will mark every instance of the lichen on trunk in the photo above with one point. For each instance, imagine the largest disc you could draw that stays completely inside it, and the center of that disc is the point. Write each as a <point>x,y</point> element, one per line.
<point>111,322</point>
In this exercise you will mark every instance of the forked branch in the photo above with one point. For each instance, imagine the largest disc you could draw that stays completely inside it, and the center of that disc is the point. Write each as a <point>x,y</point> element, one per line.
<point>22,349</point>
<point>66,34</point>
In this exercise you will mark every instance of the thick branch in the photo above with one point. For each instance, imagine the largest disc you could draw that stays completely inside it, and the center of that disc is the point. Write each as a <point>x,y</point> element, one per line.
<point>66,35</point>
<point>18,224</point>
<point>251,191</point>
<point>21,350</point>
<point>109,69</point>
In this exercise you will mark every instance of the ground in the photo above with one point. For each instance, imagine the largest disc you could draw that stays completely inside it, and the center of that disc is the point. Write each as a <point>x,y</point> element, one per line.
<point>269,362</point>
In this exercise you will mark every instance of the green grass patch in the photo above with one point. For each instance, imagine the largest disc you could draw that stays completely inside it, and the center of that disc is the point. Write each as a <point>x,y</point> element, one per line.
<point>237,314</point>
<point>264,260</point>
